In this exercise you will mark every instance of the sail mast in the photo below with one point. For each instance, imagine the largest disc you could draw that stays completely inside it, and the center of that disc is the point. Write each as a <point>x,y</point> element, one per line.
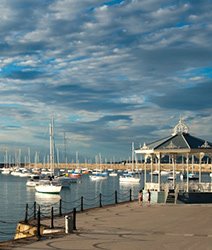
<point>51,133</point>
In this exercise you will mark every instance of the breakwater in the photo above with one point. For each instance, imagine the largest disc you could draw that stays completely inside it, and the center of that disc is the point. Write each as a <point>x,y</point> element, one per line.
<point>121,166</point>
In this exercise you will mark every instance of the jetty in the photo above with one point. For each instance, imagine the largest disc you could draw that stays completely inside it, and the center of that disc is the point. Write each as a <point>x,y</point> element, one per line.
<point>130,226</point>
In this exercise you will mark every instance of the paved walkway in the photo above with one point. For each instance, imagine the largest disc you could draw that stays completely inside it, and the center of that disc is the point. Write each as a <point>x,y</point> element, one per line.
<point>130,226</point>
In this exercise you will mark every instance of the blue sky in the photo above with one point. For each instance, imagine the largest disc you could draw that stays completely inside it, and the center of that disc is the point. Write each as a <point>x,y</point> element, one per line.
<point>111,72</point>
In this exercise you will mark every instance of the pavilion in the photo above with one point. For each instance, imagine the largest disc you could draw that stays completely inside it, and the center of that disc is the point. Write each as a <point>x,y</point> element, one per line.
<point>179,143</point>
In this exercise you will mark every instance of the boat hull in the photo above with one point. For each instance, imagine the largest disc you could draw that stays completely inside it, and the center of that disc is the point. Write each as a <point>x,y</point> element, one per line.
<point>48,189</point>
<point>129,180</point>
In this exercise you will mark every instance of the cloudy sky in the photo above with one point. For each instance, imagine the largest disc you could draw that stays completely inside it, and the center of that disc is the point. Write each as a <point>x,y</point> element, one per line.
<point>111,72</point>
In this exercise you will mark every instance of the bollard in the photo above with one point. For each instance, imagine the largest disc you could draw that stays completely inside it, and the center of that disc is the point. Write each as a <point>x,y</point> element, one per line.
<point>81,203</point>
<point>74,219</point>
<point>38,223</point>
<point>130,194</point>
<point>60,208</point>
<point>116,197</point>
<point>52,218</point>
<point>100,200</point>
<point>26,213</point>
<point>68,224</point>
<point>35,210</point>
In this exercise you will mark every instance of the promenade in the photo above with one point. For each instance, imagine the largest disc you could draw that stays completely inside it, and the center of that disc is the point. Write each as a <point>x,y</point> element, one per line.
<point>130,226</point>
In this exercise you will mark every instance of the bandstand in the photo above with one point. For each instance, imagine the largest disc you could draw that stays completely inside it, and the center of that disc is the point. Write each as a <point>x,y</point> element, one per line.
<point>180,144</point>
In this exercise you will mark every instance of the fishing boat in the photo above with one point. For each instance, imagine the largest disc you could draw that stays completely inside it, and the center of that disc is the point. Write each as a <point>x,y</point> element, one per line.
<point>50,185</point>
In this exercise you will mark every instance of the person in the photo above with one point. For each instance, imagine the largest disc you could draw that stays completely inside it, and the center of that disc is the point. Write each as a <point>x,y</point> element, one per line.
<point>140,197</point>
<point>148,196</point>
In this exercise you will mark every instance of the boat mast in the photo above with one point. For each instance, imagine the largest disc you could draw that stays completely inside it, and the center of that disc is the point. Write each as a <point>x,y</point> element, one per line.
<point>132,156</point>
<point>51,133</point>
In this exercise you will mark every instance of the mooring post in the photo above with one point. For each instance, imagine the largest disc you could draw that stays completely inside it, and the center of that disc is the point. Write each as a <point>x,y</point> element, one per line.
<point>74,219</point>
<point>130,194</point>
<point>35,210</point>
<point>81,203</point>
<point>100,200</point>
<point>60,207</point>
<point>38,223</point>
<point>26,213</point>
<point>116,197</point>
<point>52,217</point>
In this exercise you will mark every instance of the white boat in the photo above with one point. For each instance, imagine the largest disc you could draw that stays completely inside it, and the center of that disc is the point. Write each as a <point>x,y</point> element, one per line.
<point>211,175</point>
<point>129,178</point>
<point>113,174</point>
<point>96,177</point>
<point>6,171</point>
<point>98,174</point>
<point>162,173</point>
<point>24,173</point>
<point>33,181</point>
<point>50,186</point>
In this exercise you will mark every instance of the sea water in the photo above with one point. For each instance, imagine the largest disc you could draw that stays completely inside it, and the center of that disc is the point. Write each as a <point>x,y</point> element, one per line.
<point>15,195</point>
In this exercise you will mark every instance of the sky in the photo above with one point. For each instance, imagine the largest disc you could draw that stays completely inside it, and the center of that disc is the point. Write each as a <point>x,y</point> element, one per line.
<point>110,72</point>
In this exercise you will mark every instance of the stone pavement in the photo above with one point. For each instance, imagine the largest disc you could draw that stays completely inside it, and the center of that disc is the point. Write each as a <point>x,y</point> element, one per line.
<point>131,226</point>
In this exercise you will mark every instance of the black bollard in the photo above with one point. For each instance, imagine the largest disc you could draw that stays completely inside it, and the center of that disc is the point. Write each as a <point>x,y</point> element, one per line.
<point>35,210</point>
<point>26,213</point>
<point>60,208</point>
<point>74,219</point>
<point>52,217</point>
<point>100,200</point>
<point>81,203</point>
<point>116,197</point>
<point>38,223</point>
<point>130,194</point>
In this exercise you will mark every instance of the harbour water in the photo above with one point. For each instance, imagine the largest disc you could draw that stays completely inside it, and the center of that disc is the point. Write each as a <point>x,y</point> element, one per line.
<point>14,196</point>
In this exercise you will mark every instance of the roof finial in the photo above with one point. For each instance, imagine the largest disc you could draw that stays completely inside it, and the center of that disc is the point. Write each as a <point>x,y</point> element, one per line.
<point>181,127</point>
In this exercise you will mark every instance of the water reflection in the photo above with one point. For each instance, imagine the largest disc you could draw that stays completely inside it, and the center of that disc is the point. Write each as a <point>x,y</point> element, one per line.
<point>46,202</point>
<point>46,199</point>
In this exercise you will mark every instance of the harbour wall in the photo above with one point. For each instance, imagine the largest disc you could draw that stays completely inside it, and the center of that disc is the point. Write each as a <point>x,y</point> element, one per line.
<point>139,166</point>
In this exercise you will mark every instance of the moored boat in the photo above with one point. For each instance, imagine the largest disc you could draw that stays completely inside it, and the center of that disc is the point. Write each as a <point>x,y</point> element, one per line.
<point>48,187</point>
<point>129,178</point>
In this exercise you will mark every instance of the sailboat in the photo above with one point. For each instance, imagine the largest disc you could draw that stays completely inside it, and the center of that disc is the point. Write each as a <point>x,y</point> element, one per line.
<point>130,177</point>
<point>50,186</point>
<point>98,174</point>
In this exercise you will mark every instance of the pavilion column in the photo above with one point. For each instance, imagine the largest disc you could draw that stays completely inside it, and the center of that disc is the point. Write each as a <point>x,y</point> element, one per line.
<point>187,179</point>
<point>145,161</point>
<point>201,155</point>
<point>151,169</point>
<point>159,176</point>
<point>173,168</point>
